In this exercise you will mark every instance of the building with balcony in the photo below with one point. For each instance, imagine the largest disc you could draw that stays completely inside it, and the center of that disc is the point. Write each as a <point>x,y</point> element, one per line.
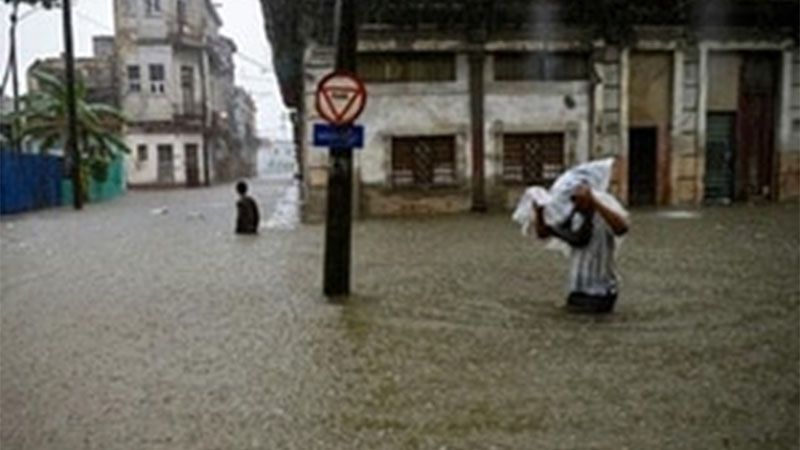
<point>178,82</point>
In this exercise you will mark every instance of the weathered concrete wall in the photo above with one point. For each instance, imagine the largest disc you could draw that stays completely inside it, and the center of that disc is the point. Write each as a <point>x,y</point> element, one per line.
<point>789,176</point>
<point>660,83</point>
<point>532,107</point>
<point>723,81</point>
<point>386,202</point>
<point>132,17</point>
<point>146,172</point>
<point>394,110</point>
<point>611,107</point>
<point>789,135</point>
<point>649,89</point>
<point>146,105</point>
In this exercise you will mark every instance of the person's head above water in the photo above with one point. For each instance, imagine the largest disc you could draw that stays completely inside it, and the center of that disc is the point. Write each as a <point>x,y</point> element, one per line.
<point>241,188</point>
<point>582,198</point>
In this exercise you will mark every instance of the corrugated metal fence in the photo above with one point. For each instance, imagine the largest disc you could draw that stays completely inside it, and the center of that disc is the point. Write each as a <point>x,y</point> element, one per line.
<point>29,181</point>
<point>113,186</point>
<point>35,181</point>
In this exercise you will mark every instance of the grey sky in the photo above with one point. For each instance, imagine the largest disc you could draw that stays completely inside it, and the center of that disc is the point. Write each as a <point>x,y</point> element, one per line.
<point>40,36</point>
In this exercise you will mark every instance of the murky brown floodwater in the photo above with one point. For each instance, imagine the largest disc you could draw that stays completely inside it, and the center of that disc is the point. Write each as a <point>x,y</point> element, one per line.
<point>125,329</point>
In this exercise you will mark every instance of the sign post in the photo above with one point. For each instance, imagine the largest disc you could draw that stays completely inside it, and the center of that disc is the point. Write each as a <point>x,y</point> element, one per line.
<point>340,99</point>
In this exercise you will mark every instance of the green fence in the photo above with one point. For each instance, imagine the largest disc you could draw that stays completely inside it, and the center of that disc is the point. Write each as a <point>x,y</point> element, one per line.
<point>113,186</point>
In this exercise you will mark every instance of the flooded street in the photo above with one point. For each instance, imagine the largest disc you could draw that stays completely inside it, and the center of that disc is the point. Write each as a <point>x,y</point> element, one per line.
<point>145,323</point>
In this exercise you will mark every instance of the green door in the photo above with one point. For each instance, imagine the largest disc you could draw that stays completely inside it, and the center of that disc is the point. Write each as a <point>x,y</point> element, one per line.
<point>720,157</point>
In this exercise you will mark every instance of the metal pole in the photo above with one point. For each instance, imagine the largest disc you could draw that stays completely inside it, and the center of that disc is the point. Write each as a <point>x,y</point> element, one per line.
<point>72,125</point>
<point>340,171</point>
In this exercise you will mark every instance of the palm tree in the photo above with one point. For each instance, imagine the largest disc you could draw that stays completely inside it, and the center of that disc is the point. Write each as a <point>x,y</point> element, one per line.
<point>45,120</point>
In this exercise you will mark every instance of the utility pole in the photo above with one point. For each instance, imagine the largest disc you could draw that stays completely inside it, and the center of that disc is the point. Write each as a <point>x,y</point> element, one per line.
<point>340,169</point>
<point>15,127</point>
<point>72,125</point>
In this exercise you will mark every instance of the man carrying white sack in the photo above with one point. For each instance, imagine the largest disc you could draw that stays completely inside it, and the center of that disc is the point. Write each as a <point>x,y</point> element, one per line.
<point>577,211</point>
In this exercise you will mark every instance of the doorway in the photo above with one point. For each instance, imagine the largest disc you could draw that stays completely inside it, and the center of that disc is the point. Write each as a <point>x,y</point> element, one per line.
<point>642,147</point>
<point>720,157</point>
<point>756,126</point>
<point>192,165</point>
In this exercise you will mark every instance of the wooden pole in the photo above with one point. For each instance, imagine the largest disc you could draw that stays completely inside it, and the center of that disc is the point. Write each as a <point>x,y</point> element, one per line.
<point>340,171</point>
<point>72,125</point>
<point>15,127</point>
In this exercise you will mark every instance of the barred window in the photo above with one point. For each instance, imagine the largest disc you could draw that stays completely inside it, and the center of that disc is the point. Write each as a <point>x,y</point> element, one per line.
<point>141,152</point>
<point>423,162</point>
<point>536,158</point>
<point>157,78</point>
<point>406,67</point>
<point>542,66</point>
<point>152,7</point>
<point>134,79</point>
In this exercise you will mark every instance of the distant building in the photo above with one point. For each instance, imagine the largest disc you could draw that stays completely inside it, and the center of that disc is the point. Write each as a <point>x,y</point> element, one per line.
<point>97,72</point>
<point>469,102</point>
<point>246,143</point>
<point>277,157</point>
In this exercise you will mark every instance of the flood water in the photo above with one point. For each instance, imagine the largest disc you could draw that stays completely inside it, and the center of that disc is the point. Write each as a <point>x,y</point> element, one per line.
<point>146,323</point>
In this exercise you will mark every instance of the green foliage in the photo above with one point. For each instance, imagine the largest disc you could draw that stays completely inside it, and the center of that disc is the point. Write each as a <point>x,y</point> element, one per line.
<point>44,118</point>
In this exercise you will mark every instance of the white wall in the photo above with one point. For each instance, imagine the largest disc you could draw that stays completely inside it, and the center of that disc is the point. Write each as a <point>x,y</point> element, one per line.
<point>789,140</point>
<point>145,105</point>
<point>399,109</point>
<point>146,172</point>
<point>534,107</point>
<point>437,108</point>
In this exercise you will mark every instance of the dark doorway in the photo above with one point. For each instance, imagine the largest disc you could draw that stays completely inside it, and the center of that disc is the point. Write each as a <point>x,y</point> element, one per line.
<point>720,157</point>
<point>642,146</point>
<point>756,126</point>
<point>192,165</point>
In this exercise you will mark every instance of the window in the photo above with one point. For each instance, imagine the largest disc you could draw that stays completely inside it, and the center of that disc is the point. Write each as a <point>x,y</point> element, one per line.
<point>423,161</point>
<point>134,79</point>
<point>152,7</point>
<point>187,89</point>
<point>406,67</point>
<point>536,158</point>
<point>157,78</point>
<point>542,66</point>
<point>181,11</point>
<point>141,153</point>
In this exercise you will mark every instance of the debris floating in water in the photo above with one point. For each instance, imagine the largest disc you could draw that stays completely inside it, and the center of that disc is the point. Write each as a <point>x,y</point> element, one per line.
<point>680,214</point>
<point>159,211</point>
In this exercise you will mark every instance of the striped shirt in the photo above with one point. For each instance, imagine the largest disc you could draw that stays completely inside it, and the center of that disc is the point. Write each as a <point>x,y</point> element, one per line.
<point>592,267</point>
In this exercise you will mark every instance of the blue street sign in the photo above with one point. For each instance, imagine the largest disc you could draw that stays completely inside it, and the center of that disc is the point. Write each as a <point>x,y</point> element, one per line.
<point>346,136</point>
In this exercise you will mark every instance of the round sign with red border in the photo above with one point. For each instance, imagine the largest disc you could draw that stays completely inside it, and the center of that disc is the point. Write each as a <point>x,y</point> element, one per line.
<point>340,98</point>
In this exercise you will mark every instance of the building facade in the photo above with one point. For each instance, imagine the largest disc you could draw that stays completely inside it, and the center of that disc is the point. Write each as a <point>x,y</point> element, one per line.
<point>469,103</point>
<point>242,159</point>
<point>177,90</point>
